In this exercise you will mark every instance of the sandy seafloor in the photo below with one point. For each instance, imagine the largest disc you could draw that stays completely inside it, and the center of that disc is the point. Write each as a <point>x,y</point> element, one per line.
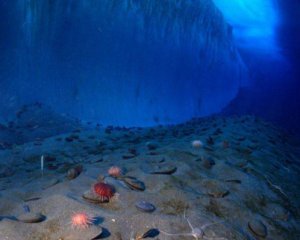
<point>245,180</point>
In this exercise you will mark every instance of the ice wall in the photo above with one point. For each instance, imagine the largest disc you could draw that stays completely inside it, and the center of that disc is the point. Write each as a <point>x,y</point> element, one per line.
<point>127,62</point>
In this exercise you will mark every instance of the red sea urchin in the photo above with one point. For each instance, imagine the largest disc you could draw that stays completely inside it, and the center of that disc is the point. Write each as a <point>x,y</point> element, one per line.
<point>103,191</point>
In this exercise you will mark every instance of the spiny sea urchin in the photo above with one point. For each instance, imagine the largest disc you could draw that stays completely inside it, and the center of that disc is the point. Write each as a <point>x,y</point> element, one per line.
<point>115,171</point>
<point>81,220</point>
<point>103,191</point>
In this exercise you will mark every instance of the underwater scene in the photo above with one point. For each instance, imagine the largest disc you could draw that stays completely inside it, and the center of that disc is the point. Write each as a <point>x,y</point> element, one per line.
<point>149,119</point>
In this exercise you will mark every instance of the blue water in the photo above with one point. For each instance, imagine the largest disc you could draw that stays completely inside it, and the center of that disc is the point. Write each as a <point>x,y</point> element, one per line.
<point>132,63</point>
<point>204,90</point>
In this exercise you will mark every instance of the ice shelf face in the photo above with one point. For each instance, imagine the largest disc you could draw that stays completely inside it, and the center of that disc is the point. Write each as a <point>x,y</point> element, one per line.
<point>126,62</point>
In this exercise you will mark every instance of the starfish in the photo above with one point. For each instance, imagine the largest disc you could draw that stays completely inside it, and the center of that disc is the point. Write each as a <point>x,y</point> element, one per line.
<point>196,233</point>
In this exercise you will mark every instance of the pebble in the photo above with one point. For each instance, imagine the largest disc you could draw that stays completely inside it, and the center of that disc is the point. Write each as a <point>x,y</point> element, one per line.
<point>145,206</point>
<point>151,145</point>
<point>74,172</point>
<point>153,153</point>
<point>134,183</point>
<point>30,217</point>
<point>151,233</point>
<point>258,228</point>
<point>237,181</point>
<point>163,169</point>
<point>91,197</point>
<point>128,156</point>
<point>208,162</point>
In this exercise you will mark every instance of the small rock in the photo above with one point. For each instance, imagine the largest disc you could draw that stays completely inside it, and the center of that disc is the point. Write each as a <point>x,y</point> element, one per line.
<point>30,217</point>
<point>91,197</point>
<point>152,153</point>
<point>237,181</point>
<point>208,162</point>
<point>163,169</point>
<point>258,228</point>
<point>151,145</point>
<point>145,206</point>
<point>100,178</point>
<point>134,183</point>
<point>74,172</point>
<point>128,156</point>
<point>151,233</point>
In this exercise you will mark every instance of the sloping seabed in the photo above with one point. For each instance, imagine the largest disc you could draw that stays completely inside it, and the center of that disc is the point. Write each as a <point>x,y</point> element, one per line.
<point>242,180</point>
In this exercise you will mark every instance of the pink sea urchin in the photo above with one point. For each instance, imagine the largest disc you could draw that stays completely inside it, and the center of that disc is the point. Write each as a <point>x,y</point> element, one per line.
<point>197,143</point>
<point>115,171</point>
<point>81,220</point>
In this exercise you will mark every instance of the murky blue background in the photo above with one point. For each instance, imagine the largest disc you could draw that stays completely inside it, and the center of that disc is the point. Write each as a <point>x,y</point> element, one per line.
<point>130,62</point>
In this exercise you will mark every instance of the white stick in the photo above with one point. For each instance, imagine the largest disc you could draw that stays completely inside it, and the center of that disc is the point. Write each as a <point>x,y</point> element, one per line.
<point>42,164</point>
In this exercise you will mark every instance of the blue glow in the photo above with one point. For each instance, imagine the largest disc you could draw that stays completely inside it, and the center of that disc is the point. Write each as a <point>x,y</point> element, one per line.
<point>254,23</point>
